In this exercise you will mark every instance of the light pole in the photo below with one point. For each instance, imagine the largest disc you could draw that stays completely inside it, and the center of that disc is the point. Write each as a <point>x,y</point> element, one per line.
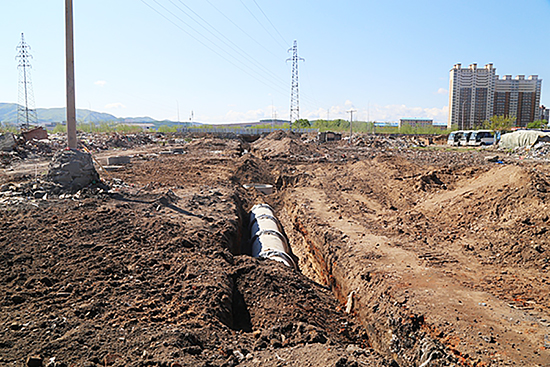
<point>462,127</point>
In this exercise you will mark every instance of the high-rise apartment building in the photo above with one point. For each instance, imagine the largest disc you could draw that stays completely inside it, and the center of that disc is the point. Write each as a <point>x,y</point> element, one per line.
<point>477,94</point>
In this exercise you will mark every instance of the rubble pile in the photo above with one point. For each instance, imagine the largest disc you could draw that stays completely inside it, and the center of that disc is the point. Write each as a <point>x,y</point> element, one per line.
<point>390,141</point>
<point>73,170</point>
<point>540,150</point>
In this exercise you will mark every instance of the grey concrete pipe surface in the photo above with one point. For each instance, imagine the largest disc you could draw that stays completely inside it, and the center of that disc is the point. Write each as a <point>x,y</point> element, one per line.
<point>267,237</point>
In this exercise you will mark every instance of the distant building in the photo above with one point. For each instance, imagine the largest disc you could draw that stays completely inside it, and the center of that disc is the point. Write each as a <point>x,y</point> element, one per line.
<point>518,97</point>
<point>416,122</point>
<point>475,95</point>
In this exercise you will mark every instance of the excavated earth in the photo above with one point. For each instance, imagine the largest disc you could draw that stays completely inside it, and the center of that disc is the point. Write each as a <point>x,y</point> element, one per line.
<point>408,256</point>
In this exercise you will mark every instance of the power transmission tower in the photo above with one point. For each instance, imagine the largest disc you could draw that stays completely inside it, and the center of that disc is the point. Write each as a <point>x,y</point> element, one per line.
<point>26,114</point>
<point>294,91</point>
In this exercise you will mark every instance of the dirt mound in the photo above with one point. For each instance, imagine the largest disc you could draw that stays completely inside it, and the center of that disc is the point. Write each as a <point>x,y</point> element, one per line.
<point>226,147</point>
<point>282,144</point>
<point>251,169</point>
<point>281,134</point>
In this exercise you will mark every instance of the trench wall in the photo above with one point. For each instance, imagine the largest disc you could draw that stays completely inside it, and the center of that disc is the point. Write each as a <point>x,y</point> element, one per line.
<point>392,329</point>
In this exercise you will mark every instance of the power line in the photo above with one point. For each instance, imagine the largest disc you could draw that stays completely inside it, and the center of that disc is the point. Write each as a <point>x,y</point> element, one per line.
<point>265,76</point>
<point>236,48</point>
<point>276,30</point>
<point>250,11</point>
<point>242,30</point>
<point>204,44</point>
<point>26,114</point>
<point>294,92</point>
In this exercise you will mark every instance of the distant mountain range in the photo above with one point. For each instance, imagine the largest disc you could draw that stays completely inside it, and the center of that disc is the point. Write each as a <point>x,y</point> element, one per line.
<point>8,113</point>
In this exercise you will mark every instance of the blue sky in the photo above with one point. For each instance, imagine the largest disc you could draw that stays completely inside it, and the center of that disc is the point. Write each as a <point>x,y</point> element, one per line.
<point>225,59</point>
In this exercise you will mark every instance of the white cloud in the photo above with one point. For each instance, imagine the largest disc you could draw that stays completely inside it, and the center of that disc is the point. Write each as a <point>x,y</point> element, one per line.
<point>251,115</point>
<point>101,83</point>
<point>115,105</point>
<point>442,91</point>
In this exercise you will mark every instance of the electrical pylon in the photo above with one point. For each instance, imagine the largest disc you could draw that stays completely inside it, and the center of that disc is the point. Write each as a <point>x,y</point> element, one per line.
<point>294,90</point>
<point>26,114</point>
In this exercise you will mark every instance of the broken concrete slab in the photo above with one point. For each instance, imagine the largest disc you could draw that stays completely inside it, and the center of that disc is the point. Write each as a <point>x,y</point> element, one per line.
<point>7,142</point>
<point>37,134</point>
<point>116,161</point>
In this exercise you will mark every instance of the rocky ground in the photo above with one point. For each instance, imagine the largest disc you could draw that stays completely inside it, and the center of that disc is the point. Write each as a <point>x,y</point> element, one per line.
<point>440,255</point>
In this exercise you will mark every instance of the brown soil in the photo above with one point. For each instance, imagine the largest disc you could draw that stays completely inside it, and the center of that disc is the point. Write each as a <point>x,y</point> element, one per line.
<point>443,255</point>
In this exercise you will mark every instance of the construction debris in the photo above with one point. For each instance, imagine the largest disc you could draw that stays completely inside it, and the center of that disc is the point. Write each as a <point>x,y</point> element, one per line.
<point>407,254</point>
<point>73,170</point>
<point>7,142</point>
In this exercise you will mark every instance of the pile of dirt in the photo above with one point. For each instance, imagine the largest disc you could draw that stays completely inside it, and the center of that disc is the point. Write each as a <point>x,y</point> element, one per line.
<point>284,144</point>
<point>228,147</point>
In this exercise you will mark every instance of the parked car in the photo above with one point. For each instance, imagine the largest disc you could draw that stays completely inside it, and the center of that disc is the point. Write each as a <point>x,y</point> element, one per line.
<point>465,138</point>
<point>481,137</point>
<point>454,137</point>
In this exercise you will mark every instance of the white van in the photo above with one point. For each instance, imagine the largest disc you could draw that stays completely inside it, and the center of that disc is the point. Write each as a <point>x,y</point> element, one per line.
<point>454,137</point>
<point>482,137</point>
<point>465,138</point>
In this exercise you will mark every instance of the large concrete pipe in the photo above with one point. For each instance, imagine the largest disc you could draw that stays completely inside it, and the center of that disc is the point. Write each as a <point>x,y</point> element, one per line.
<point>267,237</point>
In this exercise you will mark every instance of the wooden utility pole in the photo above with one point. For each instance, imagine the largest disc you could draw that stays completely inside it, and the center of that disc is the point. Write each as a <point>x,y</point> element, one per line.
<point>69,52</point>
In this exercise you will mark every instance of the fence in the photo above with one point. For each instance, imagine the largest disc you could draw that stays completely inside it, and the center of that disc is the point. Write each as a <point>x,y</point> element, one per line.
<point>241,131</point>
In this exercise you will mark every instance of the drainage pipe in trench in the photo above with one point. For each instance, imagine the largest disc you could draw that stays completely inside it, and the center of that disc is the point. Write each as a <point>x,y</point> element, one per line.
<point>267,238</point>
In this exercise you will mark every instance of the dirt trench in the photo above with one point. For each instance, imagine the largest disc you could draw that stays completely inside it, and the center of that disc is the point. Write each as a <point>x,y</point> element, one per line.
<point>421,295</point>
<point>325,256</point>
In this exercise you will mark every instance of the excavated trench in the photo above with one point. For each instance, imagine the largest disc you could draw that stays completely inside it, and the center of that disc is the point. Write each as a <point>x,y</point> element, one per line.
<point>391,331</point>
<point>324,258</point>
<point>323,252</point>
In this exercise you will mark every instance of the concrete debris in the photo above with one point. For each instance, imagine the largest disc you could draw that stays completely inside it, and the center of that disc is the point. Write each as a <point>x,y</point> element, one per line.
<point>116,161</point>
<point>539,151</point>
<point>37,133</point>
<point>7,142</point>
<point>73,170</point>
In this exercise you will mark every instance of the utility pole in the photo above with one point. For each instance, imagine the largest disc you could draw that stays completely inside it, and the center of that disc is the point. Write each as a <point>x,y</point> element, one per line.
<point>69,53</point>
<point>294,91</point>
<point>351,111</point>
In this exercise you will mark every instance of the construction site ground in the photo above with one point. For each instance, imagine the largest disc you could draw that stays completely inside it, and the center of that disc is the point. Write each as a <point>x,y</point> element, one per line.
<point>409,255</point>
